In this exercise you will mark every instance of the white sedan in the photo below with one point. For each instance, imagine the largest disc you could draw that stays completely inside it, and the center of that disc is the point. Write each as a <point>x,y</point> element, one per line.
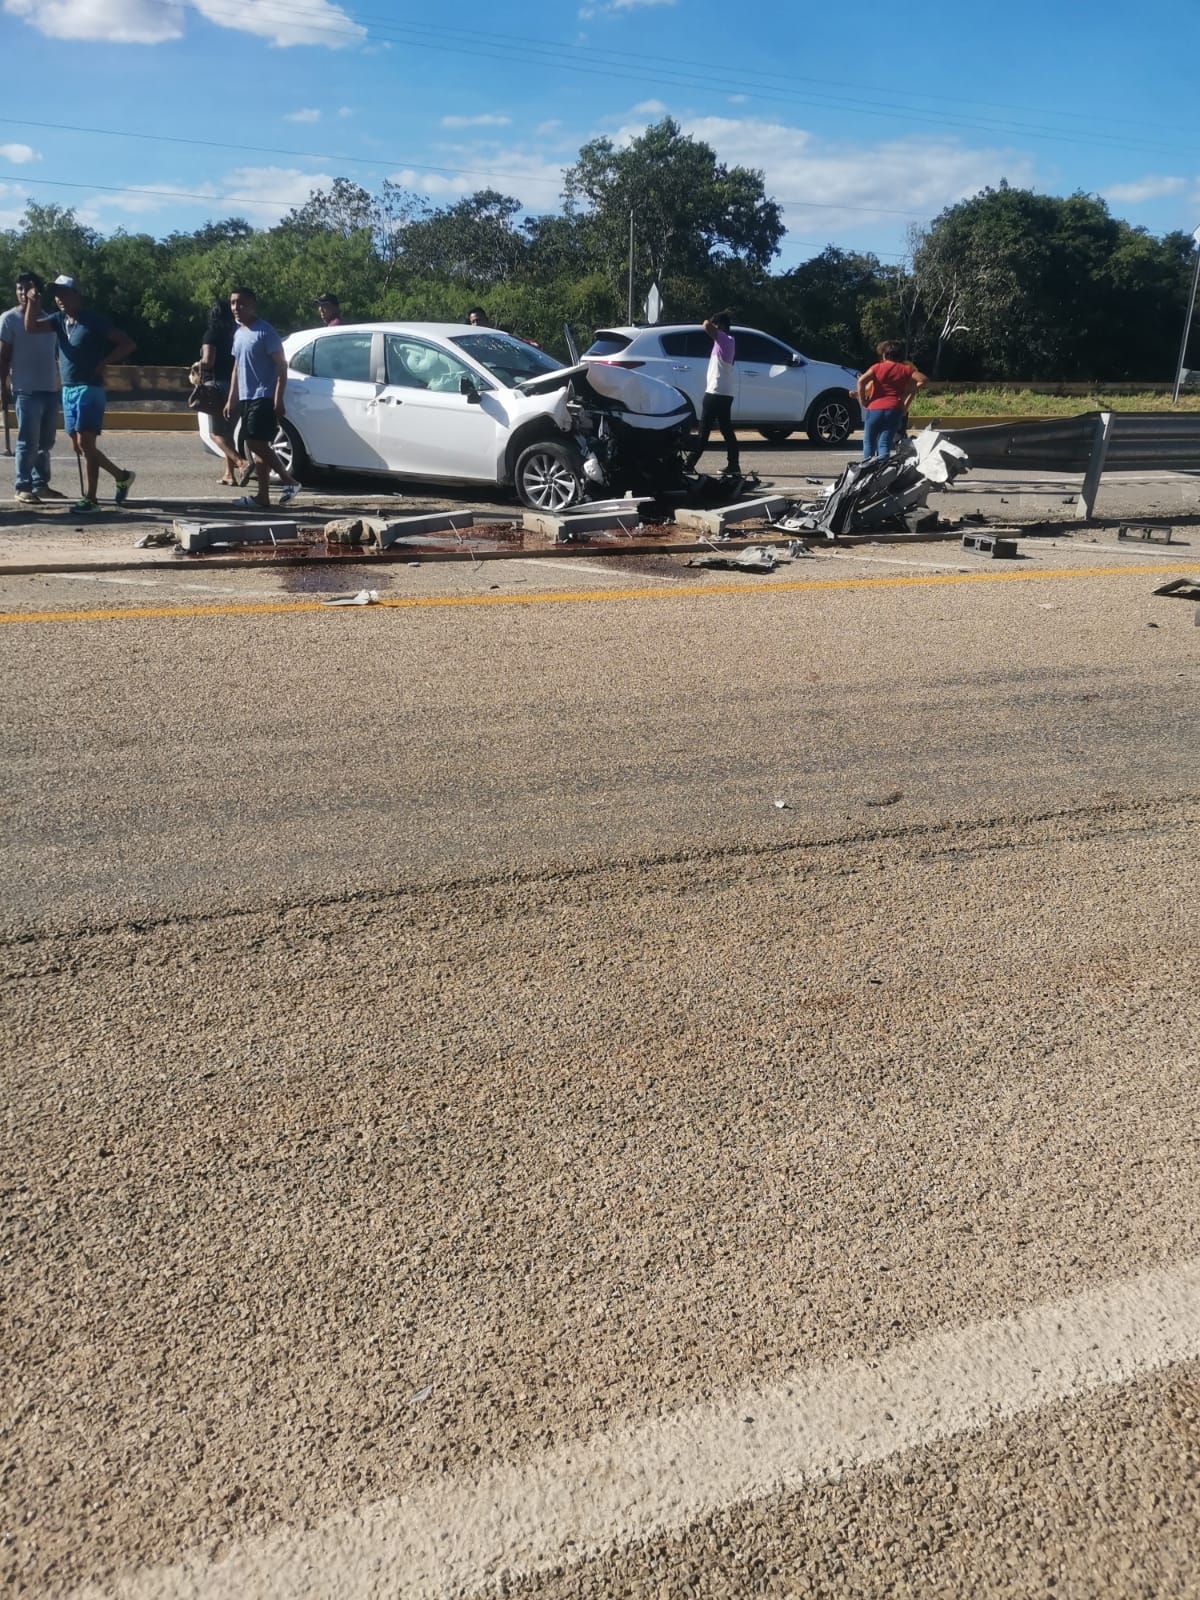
<point>429,400</point>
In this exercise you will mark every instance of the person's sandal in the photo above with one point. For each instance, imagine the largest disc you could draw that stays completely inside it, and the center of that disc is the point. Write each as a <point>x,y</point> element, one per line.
<point>244,474</point>
<point>247,502</point>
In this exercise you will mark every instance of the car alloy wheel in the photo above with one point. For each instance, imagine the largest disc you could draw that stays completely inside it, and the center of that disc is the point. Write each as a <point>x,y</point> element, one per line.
<point>829,420</point>
<point>548,477</point>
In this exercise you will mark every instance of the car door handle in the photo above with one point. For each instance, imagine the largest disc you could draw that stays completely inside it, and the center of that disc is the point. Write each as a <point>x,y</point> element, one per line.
<point>679,369</point>
<point>386,400</point>
<point>752,372</point>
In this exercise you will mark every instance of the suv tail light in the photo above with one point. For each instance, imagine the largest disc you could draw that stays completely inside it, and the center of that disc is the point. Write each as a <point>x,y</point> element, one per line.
<point>631,365</point>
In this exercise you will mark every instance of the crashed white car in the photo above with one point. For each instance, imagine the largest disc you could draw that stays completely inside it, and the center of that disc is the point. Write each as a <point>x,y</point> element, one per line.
<point>440,402</point>
<point>778,389</point>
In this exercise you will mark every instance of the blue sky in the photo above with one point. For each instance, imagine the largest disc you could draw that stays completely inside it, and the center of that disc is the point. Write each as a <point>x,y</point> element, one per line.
<point>865,119</point>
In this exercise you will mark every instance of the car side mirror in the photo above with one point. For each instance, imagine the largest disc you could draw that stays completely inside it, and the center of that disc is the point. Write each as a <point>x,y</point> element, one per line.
<point>797,361</point>
<point>467,386</point>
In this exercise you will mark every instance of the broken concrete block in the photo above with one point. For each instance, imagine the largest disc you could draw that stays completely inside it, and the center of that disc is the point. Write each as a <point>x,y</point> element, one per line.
<point>989,544</point>
<point>562,529</point>
<point>716,523</point>
<point>401,529</point>
<point>195,536</point>
<point>353,531</point>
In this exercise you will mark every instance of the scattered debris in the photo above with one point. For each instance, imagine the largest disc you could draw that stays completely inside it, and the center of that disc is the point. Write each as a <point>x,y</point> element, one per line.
<point>887,492</point>
<point>782,805</point>
<point>352,531</point>
<point>364,597</point>
<point>421,1395</point>
<point>990,544</point>
<point>152,541</point>
<point>755,558</point>
<point>1180,589</point>
<point>888,799</point>
<point>1147,535</point>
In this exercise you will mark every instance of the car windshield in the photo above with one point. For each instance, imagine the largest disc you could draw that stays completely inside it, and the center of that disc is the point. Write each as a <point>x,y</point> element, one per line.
<point>508,359</point>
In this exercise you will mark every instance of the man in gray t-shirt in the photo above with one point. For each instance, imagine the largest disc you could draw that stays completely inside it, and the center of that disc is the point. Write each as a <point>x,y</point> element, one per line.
<point>29,370</point>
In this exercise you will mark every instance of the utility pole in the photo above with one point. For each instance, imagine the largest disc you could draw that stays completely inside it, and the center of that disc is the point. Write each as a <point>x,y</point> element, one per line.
<point>630,318</point>
<point>1187,323</point>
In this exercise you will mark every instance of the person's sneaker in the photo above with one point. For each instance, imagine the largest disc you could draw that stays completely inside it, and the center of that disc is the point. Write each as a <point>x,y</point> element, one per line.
<point>83,505</point>
<point>121,493</point>
<point>28,497</point>
<point>288,492</point>
<point>47,493</point>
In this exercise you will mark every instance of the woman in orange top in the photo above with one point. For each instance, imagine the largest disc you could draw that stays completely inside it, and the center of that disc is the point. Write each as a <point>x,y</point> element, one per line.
<point>885,392</point>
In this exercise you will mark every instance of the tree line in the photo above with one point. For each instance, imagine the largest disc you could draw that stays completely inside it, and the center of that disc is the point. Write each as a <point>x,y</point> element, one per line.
<point>1005,286</point>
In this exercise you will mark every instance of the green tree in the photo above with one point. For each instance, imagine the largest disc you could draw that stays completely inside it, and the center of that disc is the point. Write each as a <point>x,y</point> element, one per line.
<point>473,242</point>
<point>1013,284</point>
<point>690,212</point>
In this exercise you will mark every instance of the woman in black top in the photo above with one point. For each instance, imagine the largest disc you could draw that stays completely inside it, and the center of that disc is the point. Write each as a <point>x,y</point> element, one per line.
<point>216,360</point>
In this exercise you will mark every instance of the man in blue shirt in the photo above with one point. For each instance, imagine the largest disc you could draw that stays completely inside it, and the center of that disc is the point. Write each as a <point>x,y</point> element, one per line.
<point>87,342</point>
<point>257,388</point>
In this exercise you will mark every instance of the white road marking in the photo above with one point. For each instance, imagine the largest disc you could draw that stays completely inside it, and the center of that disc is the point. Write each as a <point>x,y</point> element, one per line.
<point>455,1536</point>
<point>184,587</point>
<point>607,572</point>
<point>897,561</point>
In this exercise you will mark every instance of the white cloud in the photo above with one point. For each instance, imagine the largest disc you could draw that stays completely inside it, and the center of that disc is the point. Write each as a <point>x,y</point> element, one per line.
<point>116,21</point>
<point>1134,194</point>
<point>737,99</point>
<point>543,129</point>
<point>18,154</point>
<point>528,177</point>
<point>612,8</point>
<point>307,114</point>
<point>486,120</point>
<point>840,189</point>
<point>10,214</point>
<point>648,108</point>
<point>317,22</point>
<point>264,194</point>
<point>345,111</point>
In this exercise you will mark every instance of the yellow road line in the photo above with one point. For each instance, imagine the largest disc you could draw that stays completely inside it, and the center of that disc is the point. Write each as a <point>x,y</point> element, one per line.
<point>592,596</point>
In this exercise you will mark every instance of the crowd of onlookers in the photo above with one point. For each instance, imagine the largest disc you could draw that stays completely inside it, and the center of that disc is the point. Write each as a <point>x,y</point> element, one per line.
<point>48,358</point>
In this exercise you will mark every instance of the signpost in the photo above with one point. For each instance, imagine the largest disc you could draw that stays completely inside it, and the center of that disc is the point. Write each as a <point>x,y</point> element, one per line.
<point>1180,369</point>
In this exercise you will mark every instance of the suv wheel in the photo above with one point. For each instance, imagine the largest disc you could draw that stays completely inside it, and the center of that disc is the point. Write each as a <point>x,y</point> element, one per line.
<point>548,476</point>
<point>830,419</point>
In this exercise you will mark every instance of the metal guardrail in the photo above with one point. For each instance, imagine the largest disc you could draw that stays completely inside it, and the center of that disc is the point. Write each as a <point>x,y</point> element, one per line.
<point>1119,441</point>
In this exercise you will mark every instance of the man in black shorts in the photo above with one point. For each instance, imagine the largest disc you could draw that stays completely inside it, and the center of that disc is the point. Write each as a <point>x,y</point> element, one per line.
<point>257,386</point>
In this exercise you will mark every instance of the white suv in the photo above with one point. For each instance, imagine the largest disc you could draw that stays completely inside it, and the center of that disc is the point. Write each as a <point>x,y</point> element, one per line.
<point>778,389</point>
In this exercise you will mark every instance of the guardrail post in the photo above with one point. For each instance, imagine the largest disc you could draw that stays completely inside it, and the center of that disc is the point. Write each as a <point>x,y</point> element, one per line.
<point>1091,478</point>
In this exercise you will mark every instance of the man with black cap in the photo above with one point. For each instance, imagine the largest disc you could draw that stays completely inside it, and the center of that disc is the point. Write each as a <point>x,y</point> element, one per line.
<point>87,342</point>
<point>328,309</point>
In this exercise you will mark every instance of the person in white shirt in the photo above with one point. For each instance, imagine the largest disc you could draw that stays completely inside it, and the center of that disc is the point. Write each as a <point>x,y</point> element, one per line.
<point>29,370</point>
<point>719,390</point>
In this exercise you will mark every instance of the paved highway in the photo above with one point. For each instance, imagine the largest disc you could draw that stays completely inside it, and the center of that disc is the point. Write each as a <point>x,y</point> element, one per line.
<point>603,1079</point>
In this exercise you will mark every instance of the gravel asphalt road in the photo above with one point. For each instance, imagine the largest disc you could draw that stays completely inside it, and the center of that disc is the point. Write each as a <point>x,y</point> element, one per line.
<point>598,1078</point>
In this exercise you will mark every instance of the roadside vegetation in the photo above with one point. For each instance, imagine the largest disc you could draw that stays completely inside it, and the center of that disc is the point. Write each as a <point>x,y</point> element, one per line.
<point>1010,402</point>
<point>1008,286</point>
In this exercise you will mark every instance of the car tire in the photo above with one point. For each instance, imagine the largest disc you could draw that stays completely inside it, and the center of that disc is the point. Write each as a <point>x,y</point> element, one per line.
<point>549,476</point>
<point>776,435</point>
<point>289,447</point>
<point>831,418</point>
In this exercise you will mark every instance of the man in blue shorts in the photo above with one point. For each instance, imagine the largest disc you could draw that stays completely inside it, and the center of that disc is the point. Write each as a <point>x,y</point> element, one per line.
<point>87,342</point>
<point>257,388</point>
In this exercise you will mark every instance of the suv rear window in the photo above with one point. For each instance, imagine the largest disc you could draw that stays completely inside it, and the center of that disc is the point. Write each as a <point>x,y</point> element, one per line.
<point>691,342</point>
<point>607,344</point>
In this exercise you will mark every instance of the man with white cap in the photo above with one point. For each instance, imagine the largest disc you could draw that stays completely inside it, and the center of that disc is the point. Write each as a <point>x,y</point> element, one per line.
<point>87,342</point>
<point>28,364</point>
